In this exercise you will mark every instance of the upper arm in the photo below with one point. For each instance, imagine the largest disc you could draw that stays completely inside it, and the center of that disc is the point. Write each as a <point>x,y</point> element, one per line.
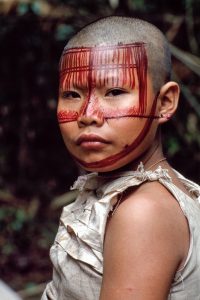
<point>141,252</point>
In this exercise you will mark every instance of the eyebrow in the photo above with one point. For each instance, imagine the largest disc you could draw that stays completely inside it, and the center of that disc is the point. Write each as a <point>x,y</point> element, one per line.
<point>103,81</point>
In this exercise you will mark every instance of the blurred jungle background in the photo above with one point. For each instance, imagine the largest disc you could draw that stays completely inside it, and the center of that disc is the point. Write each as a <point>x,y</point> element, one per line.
<point>35,169</point>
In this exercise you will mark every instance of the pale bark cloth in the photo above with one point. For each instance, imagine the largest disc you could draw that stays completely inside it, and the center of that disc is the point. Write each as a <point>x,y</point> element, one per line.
<point>6,293</point>
<point>77,253</point>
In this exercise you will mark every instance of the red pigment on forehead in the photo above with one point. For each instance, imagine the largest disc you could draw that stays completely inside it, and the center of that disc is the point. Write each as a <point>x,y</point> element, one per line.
<point>94,65</point>
<point>111,66</point>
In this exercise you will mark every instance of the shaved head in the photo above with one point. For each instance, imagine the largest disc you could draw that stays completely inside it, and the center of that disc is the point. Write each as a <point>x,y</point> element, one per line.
<point>114,30</point>
<point>111,73</point>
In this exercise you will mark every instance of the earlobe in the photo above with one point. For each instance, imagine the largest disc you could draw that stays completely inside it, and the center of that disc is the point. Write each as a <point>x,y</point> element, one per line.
<point>168,101</point>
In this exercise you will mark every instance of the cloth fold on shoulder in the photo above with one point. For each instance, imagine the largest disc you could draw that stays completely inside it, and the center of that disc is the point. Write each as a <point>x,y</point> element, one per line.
<point>81,233</point>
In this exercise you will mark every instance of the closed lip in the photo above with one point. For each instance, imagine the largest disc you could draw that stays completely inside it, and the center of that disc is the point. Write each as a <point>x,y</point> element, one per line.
<point>84,138</point>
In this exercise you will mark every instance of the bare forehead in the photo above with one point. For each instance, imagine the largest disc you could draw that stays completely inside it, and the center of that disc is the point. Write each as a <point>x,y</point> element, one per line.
<point>121,55</point>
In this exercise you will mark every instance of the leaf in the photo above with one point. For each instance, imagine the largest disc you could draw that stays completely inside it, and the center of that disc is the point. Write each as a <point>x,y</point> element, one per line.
<point>64,199</point>
<point>63,31</point>
<point>114,3</point>
<point>190,60</point>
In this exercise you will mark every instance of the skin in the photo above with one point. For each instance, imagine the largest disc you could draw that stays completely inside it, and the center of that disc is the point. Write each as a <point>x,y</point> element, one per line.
<point>106,101</point>
<point>140,263</point>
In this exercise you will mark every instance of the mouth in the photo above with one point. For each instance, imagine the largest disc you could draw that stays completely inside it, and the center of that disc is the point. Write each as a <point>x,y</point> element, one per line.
<point>91,142</point>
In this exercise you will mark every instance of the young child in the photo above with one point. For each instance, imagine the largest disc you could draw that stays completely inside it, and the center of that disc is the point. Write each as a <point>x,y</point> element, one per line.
<point>134,230</point>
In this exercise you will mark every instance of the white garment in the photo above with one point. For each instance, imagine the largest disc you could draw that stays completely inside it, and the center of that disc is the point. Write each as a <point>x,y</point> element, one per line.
<point>7,293</point>
<point>77,253</point>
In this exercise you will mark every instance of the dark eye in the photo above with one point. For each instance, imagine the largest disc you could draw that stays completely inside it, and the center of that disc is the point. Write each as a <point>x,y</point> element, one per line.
<point>115,92</point>
<point>69,95</point>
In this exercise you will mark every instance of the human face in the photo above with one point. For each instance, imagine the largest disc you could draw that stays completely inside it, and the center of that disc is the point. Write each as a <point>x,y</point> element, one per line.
<point>106,105</point>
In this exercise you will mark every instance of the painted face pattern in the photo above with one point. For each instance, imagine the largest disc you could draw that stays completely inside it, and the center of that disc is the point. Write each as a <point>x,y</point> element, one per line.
<point>114,66</point>
<point>99,66</point>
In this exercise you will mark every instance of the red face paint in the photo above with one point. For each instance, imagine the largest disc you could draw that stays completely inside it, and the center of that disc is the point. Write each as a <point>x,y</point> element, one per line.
<point>108,161</point>
<point>113,66</point>
<point>100,66</point>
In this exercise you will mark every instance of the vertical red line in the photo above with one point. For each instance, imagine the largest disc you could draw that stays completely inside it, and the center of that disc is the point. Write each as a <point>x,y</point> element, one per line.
<point>144,77</point>
<point>140,79</point>
<point>83,109</point>
<point>134,68</point>
<point>70,73</point>
<point>65,61</point>
<point>95,68</point>
<point>99,71</point>
<point>141,67</point>
<point>107,71</point>
<point>70,66</point>
<point>100,62</point>
<point>118,62</point>
<point>90,71</point>
<point>114,58</point>
<point>124,66</point>
<point>79,64</point>
<point>104,62</point>
<point>140,73</point>
<point>76,73</point>
<point>98,74</point>
<point>60,74</point>
<point>112,73</point>
<point>131,69</point>
<point>116,71</point>
<point>84,62</point>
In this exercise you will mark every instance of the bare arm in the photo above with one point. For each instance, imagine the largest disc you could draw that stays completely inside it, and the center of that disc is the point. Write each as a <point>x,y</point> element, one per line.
<point>143,248</point>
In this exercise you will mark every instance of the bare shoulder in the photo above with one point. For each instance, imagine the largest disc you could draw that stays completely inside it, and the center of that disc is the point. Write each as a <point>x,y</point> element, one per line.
<point>145,239</point>
<point>151,199</point>
<point>151,204</point>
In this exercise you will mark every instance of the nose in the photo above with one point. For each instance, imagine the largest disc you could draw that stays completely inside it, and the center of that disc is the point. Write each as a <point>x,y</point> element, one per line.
<point>91,113</point>
<point>93,118</point>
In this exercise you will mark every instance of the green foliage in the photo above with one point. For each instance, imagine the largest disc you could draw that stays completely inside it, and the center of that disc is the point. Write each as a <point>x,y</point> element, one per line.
<point>11,220</point>
<point>140,5</point>
<point>173,146</point>
<point>63,31</point>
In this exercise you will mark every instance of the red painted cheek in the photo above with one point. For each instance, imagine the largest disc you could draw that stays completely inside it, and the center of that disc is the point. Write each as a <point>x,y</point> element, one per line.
<point>101,66</point>
<point>90,108</point>
<point>109,161</point>
<point>107,66</point>
<point>65,116</point>
<point>122,113</point>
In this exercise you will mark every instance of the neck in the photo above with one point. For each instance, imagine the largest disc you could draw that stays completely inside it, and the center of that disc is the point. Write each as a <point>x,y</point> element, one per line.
<point>150,159</point>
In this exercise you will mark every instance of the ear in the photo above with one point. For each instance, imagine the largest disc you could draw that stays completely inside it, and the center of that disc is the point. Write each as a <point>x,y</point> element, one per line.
<point>168,101</point>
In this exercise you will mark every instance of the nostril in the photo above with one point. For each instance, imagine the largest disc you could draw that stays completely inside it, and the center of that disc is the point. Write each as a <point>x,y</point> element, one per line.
<point>84,121</point>
<point>92,119</point>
